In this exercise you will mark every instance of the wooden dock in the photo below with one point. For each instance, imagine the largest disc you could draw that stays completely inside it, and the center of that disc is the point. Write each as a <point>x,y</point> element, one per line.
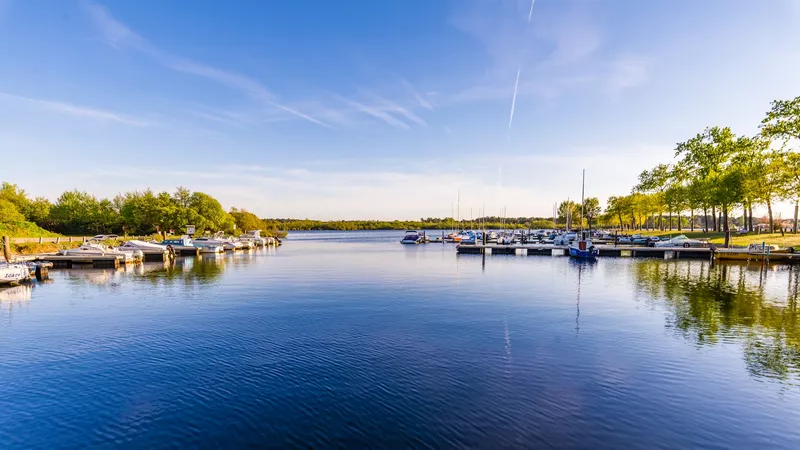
<point>604,250</point>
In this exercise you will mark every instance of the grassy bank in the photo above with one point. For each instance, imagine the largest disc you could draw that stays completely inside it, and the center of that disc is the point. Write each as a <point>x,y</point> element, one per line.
<point>35,248</point>
<point>788,240</point>
<point>24,229</point>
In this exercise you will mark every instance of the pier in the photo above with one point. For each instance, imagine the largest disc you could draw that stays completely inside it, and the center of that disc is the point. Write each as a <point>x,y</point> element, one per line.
<point>604,250</point>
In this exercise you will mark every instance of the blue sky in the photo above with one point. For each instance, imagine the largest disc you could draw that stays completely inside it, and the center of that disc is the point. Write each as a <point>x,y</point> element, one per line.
<point>367,109</point>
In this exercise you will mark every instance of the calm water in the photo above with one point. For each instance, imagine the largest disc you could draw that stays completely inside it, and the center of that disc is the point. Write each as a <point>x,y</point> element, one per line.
<point>352,340</point>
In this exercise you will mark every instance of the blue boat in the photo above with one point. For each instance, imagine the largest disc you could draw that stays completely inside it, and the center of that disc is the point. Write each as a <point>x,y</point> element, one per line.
<point>582,248</point>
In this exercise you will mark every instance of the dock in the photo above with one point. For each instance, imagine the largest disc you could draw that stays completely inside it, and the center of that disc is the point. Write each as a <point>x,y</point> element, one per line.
<point>603,250</point>
<point>69,261</point>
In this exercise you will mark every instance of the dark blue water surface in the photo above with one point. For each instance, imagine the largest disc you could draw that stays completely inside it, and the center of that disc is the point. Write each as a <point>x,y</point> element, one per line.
<point>353,340</point>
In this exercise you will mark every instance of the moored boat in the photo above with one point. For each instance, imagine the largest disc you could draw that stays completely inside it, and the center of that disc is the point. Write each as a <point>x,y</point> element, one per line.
<point>412,237</point>
<point>96,249</point>
<point>583,248</point>
<point>756,252</point>
<point>12,273</point>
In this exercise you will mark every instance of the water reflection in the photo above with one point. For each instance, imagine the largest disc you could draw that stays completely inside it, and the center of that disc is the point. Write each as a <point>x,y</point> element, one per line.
<point>752,303</point>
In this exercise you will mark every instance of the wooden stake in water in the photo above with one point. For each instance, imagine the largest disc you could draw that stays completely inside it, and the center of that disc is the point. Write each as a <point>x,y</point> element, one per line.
<point>7,248</point>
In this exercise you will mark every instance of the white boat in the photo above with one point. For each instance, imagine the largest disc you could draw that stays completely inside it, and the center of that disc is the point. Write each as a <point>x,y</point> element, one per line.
<point>505,239</point>
<point>97,249</point>
<point>218,239</point>
<point>254,237</point>
<point>134,245</point>
<point>11,273</point>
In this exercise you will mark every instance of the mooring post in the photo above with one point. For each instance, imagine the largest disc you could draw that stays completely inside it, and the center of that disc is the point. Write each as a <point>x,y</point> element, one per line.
<point>7,248</point>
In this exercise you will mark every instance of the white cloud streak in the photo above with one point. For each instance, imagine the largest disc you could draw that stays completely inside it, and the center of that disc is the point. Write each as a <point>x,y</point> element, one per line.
<point>120,36</point>
<point>513,100</point>
<point>419,98</point>
<point>79,111</point>
<point>530,13</point>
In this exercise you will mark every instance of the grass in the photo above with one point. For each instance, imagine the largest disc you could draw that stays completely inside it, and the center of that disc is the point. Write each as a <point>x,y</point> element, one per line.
<point>788,240</point>
<point>24,229</point>
<point>35,248</point>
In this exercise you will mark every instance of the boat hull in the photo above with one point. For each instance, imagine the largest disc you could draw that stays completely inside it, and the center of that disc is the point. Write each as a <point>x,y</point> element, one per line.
<point>745,256</point>
<point>14,274</point>
<point>582,254</point>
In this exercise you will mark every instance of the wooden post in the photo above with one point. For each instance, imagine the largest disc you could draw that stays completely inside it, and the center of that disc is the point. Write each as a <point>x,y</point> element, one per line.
<point>58,239</point>
<point>7,248</point>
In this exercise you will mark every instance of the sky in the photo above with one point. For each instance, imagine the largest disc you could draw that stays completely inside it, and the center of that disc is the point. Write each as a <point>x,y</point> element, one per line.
<point>378,110</point>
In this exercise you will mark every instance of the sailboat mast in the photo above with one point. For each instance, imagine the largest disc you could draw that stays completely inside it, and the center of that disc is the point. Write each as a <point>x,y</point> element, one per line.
<point>458,209</point>
<point>583,185</point>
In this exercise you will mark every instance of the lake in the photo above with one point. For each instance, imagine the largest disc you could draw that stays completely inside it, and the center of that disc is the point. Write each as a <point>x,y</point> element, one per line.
<point>349,339</point>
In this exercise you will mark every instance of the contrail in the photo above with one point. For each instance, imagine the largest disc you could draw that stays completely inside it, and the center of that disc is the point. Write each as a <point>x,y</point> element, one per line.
<point>513,100</point>
<point>531,11</point>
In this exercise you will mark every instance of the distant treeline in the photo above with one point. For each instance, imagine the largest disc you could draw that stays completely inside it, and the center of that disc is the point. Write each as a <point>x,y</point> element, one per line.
<point>431,223</point>
<point>137,213</point>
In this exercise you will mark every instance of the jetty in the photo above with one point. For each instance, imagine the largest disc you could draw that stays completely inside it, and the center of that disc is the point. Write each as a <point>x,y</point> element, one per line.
<point>604,250</point>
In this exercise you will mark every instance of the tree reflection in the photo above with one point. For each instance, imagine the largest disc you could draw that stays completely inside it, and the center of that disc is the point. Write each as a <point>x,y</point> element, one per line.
<point>731,302</point>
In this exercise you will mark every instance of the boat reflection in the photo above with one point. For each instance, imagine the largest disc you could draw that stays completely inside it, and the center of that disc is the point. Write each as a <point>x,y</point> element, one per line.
<point>724,302</point>
<point>16,294</point>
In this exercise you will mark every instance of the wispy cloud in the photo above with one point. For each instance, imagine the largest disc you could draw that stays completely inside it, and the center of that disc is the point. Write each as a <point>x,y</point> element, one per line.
<point>79,111</point>
<point>513,101</point>
<point>530,13</point>
<point>376,113</point>
<point>419,98</point>
<point>626,72</point>
<point>120,36</point>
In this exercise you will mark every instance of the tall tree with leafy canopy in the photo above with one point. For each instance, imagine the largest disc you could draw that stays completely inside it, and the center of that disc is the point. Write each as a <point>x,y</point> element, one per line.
<point>591,209</point>
<point>783,120</point>
<point>656,181</point>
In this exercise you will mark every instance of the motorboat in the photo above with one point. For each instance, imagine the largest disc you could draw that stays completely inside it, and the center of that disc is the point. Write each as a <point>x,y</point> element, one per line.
<point>469,238</point>
<point>565,238</point>
<point>12,273</point>
<point>505,239</point>
<point>256,238</point>
<point>179,244</point>
<point>412,237</point>
<point>134,244</point>
<point>756,252</point>
<point>97,249</point>
<point>218,239</point>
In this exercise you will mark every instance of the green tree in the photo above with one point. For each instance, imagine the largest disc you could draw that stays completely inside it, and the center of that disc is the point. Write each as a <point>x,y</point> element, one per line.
<point>591,210</point>
<point>247,221</point>
<point>783,120</point>
<point>9,213</point>
<point>791,180</point>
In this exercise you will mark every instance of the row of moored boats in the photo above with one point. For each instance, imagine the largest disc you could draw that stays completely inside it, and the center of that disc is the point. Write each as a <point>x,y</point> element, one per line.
<point>134,250</point>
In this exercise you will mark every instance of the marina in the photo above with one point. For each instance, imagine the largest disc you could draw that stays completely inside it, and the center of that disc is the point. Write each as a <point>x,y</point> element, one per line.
<point>633,345</point>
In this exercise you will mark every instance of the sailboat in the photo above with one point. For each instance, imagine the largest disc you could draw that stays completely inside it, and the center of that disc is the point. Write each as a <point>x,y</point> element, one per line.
<point>583,248</point>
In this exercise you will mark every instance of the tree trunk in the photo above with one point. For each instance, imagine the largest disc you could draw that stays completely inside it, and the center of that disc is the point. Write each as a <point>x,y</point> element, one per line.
<point>769,211</point>
<point>691,224</point>
<point>714,217</point>
<point>750,207</point>
<point>679,221</point>
<point>794,225</point>
<point>705,219</point>
<point>670,220</point>
<point>725,218</point>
